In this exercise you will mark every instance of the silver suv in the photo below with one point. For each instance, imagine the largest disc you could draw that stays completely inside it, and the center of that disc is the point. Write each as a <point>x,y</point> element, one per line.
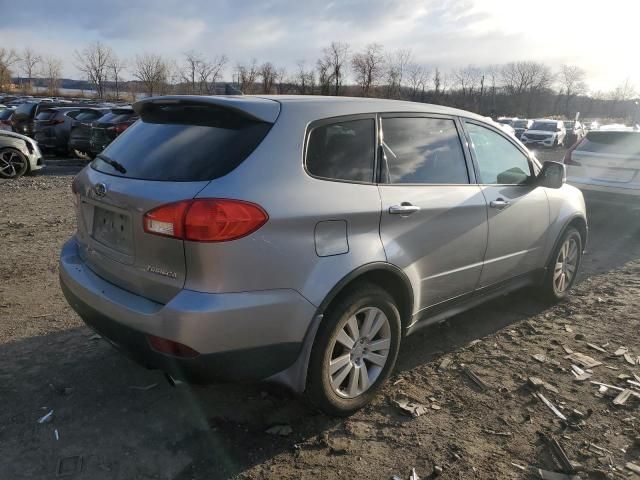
<point>299,239</point>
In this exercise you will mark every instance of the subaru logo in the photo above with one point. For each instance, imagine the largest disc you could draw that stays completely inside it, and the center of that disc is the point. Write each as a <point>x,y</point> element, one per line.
<point>100,189</point>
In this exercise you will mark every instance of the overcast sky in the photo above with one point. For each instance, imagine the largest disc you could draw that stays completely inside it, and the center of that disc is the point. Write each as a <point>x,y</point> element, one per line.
<point>599,35</point>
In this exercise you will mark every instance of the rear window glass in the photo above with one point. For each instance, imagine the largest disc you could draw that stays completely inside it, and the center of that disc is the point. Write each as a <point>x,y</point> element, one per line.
<point>88,115</point>
<point>183,144</point>
<point>620,143</point>
<point>46,115</point>
<point>545,126</point>
<point>6,113</point>
<point>116,117</point>
<point>25,110</point>
<point>423,150</point>
<point>342,151</point>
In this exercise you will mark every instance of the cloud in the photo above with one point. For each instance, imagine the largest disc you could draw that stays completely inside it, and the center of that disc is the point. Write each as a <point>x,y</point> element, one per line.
<point>447,33</point>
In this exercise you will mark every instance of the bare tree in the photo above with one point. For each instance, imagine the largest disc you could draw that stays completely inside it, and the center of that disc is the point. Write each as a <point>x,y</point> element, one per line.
<point>29,61</point>
<point>210,72</point>
<point>94,62</point>
<point>247,75</point>
<point>417,77</point>
<point>368,67</point>
<point>304,80</point>
<point>524,81</point>
<point>190,75</point>
<point>116,66</point>
<point>152,71</point>
<point>267,73</point>
<point>51,71</point>
<point>396,68</point>
<point>8,58</point>
<point>333,64</point>
<point>571,79</point>
<point>324,76</point>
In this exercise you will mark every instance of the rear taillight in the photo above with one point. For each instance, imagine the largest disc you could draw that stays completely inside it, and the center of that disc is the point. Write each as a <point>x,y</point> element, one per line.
<point>57,121</point>
<point>205,219</point>
<point>568,160</point>
<point>120,127</point>
<point>169,347</point>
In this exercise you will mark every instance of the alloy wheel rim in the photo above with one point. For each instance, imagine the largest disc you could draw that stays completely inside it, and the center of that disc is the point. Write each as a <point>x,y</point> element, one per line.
<point>359,352</point>
<point>11,163</point>
<point>566,265</point>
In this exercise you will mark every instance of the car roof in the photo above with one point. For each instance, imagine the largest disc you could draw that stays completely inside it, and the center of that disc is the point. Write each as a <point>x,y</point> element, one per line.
<point>267,107</point>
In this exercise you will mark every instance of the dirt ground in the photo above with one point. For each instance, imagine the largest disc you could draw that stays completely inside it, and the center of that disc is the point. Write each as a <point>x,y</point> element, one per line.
<point>114,420</point>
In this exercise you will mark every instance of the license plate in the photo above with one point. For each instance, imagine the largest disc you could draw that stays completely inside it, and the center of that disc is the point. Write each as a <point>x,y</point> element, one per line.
<point>113,229</point>
<point>612,175</point>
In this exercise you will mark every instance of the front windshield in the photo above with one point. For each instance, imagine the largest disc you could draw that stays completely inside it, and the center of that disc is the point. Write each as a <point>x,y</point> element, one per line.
<point>544,126</point>
<point>520,124</point>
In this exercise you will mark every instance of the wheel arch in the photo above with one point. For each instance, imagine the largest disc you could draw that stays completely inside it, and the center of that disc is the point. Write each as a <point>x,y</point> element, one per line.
<point>578,222</point>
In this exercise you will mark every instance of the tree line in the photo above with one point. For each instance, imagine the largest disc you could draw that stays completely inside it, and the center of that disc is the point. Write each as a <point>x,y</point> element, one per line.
<point>524,88</point>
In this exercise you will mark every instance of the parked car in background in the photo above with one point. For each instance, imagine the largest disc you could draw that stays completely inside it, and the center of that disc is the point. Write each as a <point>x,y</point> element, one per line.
<point>80,132</point>
<point>545,133</point>
<point>19,154</point>
<point>506,120</point>
<point>605,165</point>
<point>182,255</point>
<point>53,126</point>
<point>109,126</point>
<point>592,125</point>
<point>575,132</point>
<point>5,119</point>
<point>520,125</point>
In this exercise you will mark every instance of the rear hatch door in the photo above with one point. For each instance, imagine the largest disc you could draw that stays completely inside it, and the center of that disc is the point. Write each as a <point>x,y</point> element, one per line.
<point>170,155</point>
<point>611,157</point>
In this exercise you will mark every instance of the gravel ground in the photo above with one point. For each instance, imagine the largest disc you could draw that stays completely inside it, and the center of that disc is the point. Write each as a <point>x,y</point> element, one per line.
<point>115,420</point>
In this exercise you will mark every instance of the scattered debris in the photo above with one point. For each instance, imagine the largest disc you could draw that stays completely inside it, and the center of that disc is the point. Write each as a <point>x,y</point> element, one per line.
<point>43,315</point>
<point>540,357</point>
<point>538,383</point>
<point>524,469</point>
<point>579,373</point>
<point>633,467</point>
<point>630,360</point>
<point>437,471</point>
<point>411,409</point>
<point>475,378</point>
<point>568,328</point>
<point>622,397</point>
<point>46,418</point>
<point>493,432</point>
<point>56,434</point>
<point>95,336</point>
<point>143,388</point>
<point>596,347</point>
<point>414,475</point>
<point>621,351</point>
<point>560,454</point>
<point>435,406</point>
<point>547,475</point>
<point>445,364</point>
<point>551,406</point>
<point>581,359</point>
<point>282,430</point>
<point>567,350</point>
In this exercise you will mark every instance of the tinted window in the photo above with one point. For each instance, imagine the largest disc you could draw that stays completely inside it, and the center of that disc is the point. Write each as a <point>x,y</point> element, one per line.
<point>183,143</point>
<point>24,111</point>
<point>621,143</point>
<point>117,117</point>
<point>87,115</point>
<point>46,115</point>
<point>499,161</point>
<point>343,150</point>
<point>423,150</point>
<point>545,126</point>
<point>5,114</point>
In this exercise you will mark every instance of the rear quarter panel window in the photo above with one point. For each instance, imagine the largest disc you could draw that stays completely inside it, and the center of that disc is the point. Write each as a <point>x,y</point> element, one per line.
<point>619,143</point>
<point>342,150</point>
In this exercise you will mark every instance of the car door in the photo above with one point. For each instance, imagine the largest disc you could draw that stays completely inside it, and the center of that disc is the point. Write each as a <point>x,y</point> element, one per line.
<point>518,213</point>
<point>433,222</point>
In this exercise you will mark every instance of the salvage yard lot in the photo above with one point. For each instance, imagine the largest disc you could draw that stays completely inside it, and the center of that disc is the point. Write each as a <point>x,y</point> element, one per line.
<point>115,420</point>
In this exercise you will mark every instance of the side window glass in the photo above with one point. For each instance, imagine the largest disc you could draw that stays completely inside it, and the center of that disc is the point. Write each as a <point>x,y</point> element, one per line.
<point>342,151</point>
<point>423,150</point>
<point>499,161</point>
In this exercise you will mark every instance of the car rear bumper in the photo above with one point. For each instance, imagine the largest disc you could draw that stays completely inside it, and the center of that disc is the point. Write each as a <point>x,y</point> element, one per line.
<point>240,336</point>
<point>602,194</point>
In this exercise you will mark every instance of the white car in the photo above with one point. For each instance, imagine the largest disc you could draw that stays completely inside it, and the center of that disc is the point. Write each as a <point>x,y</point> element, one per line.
<point>605,165</point>
<point>545,133</point>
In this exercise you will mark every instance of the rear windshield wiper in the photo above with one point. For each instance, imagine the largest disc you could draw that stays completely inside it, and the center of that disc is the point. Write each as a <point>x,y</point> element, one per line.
<point>115,164</point>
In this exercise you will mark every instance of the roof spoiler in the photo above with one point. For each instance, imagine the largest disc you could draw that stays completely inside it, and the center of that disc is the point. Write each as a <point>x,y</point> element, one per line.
<point>259,109</point>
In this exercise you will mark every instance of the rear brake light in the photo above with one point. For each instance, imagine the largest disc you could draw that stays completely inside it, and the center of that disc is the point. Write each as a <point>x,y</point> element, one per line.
<point>206,219</point>
<point>169,347</point>
<point>120,127</point>
<point>568,160</point>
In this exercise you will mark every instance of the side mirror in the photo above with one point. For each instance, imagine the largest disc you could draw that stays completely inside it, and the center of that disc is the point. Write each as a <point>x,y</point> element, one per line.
<point>552,175</point>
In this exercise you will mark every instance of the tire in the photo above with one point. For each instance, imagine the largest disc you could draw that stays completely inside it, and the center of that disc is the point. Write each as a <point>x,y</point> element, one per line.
<point>368,306</point>
<point>555,143</point>
<point>13,163</point>
<point>559,279</point>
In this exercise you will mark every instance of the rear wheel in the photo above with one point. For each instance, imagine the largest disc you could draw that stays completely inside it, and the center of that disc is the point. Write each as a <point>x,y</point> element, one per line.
<point>563,269</point>
<point>355,350</point>
<point>13,163</point>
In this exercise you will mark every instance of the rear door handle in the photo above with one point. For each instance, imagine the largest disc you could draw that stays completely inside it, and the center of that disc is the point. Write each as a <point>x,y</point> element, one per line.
<point>404,209</point>
<point>499,203</point>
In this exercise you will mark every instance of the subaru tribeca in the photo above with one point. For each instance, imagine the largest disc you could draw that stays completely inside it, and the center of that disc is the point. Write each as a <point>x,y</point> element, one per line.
<point>299,239</point>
